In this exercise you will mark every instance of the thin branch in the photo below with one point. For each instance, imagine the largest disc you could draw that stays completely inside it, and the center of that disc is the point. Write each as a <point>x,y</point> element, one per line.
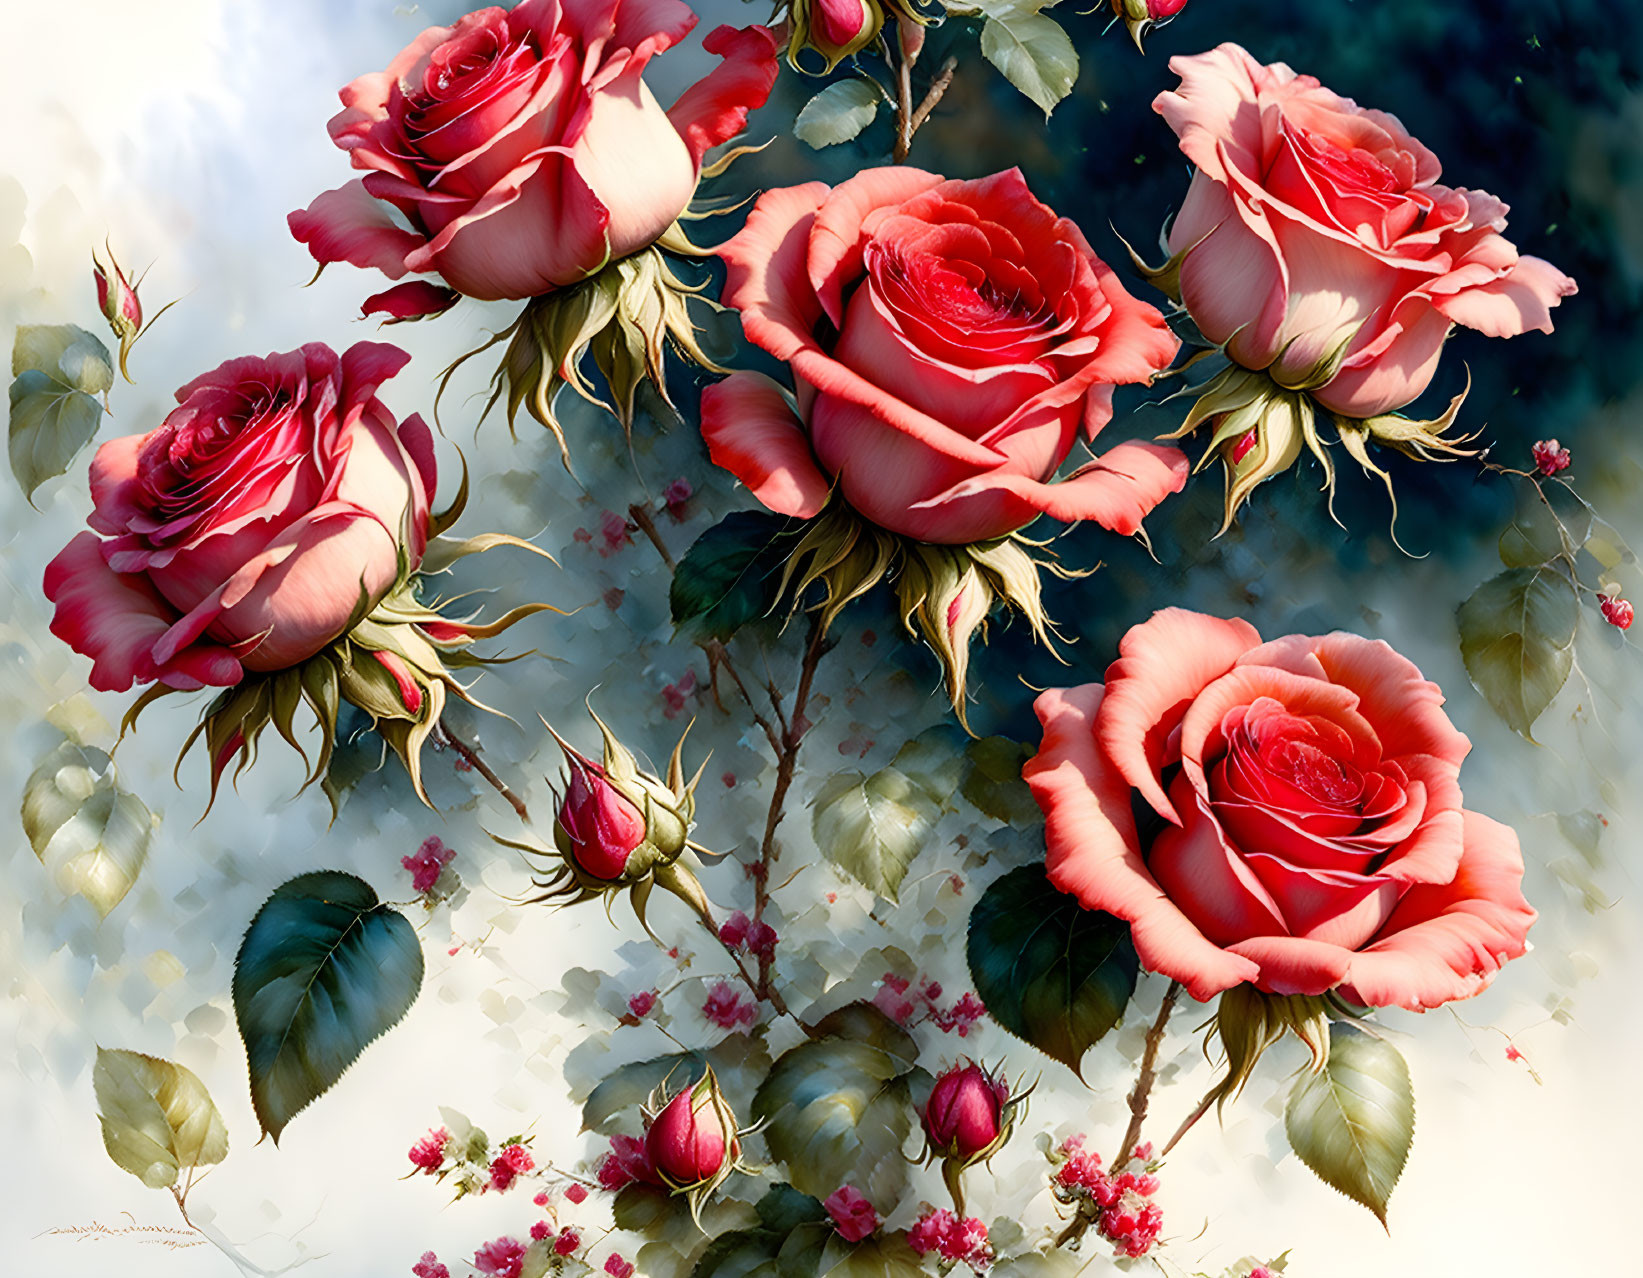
<point>938,90</point>
<point>470,756</point>
<point>642,520</point>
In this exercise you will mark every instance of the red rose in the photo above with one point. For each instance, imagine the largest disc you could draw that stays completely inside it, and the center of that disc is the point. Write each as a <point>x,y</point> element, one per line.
<point>949,340</point>
<point>1313,222</point>
<point>1313,834</point>
<point>524,149</point>
<point>243,531</point>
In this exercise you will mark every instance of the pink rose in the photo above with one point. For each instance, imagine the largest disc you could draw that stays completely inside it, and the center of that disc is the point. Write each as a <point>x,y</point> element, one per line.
<point>243,532</point>
<point>1312,222</point>
<point>852,1213</point>
<point>949,340</point>
<point>692,1141</point>
<point>1312,835</point>
<point>522,149</point>
<point>968,1114</point>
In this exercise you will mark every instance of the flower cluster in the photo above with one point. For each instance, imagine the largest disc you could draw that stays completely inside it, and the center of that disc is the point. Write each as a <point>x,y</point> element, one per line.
<point>754,936</point>
<point>902,1001</point>
<point>1117,1204</point>
<point>852,1214</point>
<point>953,1238</point>
<point>427,864</point>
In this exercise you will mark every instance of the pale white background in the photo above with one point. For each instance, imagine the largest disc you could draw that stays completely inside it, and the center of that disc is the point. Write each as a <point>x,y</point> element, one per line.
<point>186,129</point>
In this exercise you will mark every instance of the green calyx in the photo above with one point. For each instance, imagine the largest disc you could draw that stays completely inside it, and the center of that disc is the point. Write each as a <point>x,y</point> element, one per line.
<point>1248,1021</point>
<point>1259,426</point>
<point>945,593</point>
<point>624,316</point>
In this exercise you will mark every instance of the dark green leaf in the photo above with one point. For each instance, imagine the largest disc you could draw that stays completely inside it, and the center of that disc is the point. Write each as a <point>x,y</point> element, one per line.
<point>1517,635</point>
<point>1353,1122</point>
<point>324,969</point>
<point>731,575</point>
<point>1049,970</point>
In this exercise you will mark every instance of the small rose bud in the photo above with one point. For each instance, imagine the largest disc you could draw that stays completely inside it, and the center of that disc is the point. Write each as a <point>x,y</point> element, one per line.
<point>1617,612</point>
<point>691,1141</point>
<point>117,298</point>
<point>968,1114</point>
<point>599,827</point>
<point>1550,457</point>
<point>1140,16</point>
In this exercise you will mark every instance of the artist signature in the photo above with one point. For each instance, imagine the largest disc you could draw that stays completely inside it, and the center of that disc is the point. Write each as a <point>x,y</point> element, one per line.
<point>154,1235</point>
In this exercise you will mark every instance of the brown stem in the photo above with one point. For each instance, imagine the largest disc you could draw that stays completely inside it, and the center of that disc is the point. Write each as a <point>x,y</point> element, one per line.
<point>937,91</point>
<point>1192,1118</point>
<point>816,645</point>
<point>1145,1076</point>
<point>470,756</point>
<point>904,107</point>
<point>760,990</point>
<point>642,520</point>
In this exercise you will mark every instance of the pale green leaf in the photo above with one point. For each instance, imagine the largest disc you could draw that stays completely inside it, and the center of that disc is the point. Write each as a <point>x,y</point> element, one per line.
<point>158,1119</point>
<point>1034,53</point>
<point>1354,1120</point>
<point>872,827</point>
<point>92,837</point>
<point>838,113</point>
<point>1517,634</point>
<point>58,370</point>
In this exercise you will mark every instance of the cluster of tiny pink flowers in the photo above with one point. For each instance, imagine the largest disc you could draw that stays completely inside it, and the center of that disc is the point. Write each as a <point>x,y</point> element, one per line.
<point>675,496</point>
<point>755,936</point>
<point>852,1214</point>
<point>567,1242</point>
<point>939,1230</point>
<point>626,1163</point>
<point>675,695</point>
<point>513,1162</point>
<point>1125,1218</point>
<point>1550,457</point>
<point>614,529</point>
<point>642,1004</point>
<point>727,1009</point>
<point>900,1001</point>
<point>618,1267</point>
<point>1617,612</point>
<point>501,1258</point>
<point>428,863</point>
<point>430,1267</point>
<point>1261,1271</point>
<point>428,1154</point>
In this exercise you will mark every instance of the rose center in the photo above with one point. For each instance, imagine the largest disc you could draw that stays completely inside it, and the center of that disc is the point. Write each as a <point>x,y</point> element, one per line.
<point>1313,771</point>
<point>1349,168</point>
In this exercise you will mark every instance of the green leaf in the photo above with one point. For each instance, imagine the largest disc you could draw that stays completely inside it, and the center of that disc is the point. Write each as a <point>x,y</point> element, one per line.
<point>92,837</point>
<point>935,760</point>
<point>58,370</point>
<point>872,827</point>
<point>731,574</point>
<point>1517,635</point>
<point>1034,53</point>
<point>1354,1120</point>
<point>993,782</point>
<point>1049,970</point>
<point>788,1241</point>
<point>838,113</point>
<point>324,969</point>
<point>838,1110</point>
<point>1543,527</point>
<point>158,1119</point>
<point>881,1256</point>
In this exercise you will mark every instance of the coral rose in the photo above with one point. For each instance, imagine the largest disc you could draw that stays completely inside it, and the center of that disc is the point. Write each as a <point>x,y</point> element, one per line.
<point>949,340</point>
<point>244,532</point>
<point>522,149</point>
<point>1310,829</point>
<point>1313,223</point>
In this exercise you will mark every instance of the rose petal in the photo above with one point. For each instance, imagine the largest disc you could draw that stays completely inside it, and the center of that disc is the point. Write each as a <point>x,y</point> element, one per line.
<point>349,225</point>
<point>714,109</point>
<point>752,431</point>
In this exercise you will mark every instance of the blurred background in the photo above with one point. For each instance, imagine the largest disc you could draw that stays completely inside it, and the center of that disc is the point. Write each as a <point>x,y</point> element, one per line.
<point>185,130</point>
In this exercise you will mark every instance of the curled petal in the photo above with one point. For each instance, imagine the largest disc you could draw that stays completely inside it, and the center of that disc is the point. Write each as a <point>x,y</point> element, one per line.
<point>714,109</point>
<point>351,225</point>
<point>752,432</point>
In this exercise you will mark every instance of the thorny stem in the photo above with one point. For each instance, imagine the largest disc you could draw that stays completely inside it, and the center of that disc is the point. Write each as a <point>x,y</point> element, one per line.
<point>1145,1076</point>
<point>908,118</point>
<point>785,736</point>
<point>470,756</point>
<point>794,728</point>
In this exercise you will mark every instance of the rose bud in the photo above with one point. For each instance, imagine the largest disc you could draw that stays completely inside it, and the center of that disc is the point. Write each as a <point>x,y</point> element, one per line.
<point>691,1139</point>
<point>968,1115</point>
<point>1141,16</point>
<point>597,827</point>
<point>833,28</point>
<point>620,829</point>
<point>121,307</point>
